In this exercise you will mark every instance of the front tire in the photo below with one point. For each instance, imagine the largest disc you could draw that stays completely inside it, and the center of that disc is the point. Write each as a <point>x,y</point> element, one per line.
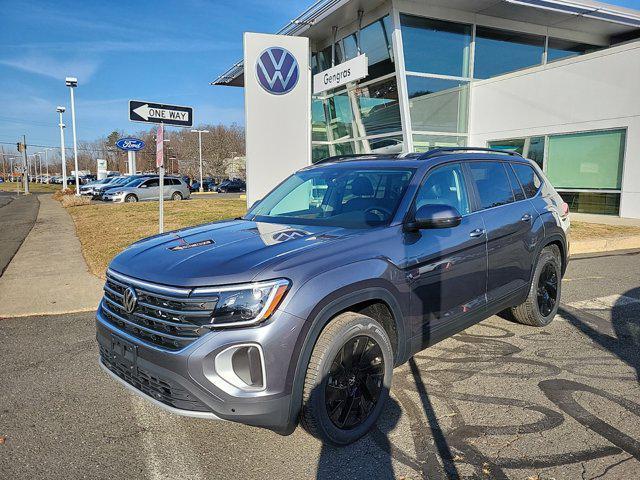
<point>543,300</point>
<point>130,198</point>
<point>348,379</point>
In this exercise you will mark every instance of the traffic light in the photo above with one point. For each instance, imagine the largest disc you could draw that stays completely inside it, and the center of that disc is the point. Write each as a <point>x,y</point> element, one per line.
<point>21,147</point>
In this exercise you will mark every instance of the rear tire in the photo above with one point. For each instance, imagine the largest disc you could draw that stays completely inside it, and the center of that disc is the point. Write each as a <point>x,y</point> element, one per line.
<point>130,198</point>
<point>176,196</point>
<point>348,379</point>
<point>543,300</point>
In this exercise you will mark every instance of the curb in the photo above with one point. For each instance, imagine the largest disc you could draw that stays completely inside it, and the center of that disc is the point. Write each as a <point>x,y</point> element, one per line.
<point>599,245</point>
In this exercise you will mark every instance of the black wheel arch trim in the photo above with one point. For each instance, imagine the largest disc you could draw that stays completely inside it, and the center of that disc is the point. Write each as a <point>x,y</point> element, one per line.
<point>564,260</point>
<point>328,308</point>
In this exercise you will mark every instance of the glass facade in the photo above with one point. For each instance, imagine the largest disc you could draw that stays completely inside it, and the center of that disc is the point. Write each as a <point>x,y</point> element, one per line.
<point>441,59</point>
<point>586,167</point>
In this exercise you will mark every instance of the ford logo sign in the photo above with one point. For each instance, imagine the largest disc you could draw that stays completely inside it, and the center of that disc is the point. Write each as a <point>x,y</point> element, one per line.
<point>277,70</point>
<point>130,144</point>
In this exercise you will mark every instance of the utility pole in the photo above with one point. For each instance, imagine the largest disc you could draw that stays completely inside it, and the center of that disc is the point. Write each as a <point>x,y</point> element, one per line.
<point>200,132</point>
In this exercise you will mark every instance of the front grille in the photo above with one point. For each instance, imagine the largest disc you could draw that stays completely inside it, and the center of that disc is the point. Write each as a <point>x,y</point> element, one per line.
<point>163,390</point>
<point>170,322</point>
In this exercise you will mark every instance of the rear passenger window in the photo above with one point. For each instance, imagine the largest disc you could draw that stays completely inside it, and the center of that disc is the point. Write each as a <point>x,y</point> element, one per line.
<point>492,183</point>
<point>528,179</point>
<point>515,184</point>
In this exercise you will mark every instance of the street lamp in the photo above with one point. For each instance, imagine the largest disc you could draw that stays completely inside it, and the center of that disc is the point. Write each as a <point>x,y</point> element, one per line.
<point>72,82</point>
<point>46,161</point>
<point>200,132</point>
<point>60,111</point>
<point>39,154</point>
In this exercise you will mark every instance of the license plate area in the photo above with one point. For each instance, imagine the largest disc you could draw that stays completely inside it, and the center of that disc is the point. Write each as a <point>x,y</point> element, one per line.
<point>123,353</point>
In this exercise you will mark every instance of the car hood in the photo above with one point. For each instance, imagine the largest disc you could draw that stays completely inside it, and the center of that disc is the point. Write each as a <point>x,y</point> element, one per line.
<point>220,253</point>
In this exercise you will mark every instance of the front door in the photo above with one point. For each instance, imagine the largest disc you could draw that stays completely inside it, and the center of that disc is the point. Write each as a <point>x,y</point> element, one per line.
<point>446,267</point>
<point>150,189</point>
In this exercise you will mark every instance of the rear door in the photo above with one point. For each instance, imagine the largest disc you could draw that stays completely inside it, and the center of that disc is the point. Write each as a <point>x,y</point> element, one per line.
<point>446,267</point>
<point>509,218</point>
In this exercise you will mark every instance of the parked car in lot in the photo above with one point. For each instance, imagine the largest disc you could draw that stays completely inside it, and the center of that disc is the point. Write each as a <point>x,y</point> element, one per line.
<point>300,310</point>
<point>89,188</point>
<point>227,186</point>
<point>149,189</point>
<point>100,190</point>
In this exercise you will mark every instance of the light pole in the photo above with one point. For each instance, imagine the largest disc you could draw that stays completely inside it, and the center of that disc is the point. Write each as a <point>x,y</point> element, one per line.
<point>39,154</point>
<point>200,132</point>
<point>72,83</point>
<point>46,161</point>
<point>60,111</point>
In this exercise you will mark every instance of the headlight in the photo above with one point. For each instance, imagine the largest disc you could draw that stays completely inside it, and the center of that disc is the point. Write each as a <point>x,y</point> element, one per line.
<point>243,305</point>
<point>116,193</point>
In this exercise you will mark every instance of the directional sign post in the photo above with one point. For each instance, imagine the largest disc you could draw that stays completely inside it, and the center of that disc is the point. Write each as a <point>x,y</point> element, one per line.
<point>160,165</point>
<point>149,112</point>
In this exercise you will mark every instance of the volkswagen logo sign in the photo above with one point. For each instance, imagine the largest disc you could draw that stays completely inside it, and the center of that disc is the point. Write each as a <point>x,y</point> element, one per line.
<point>129,300</point>
<point>277,70</point>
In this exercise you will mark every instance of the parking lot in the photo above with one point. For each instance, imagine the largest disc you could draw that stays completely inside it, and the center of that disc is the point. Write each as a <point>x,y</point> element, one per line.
<point>499,400</point>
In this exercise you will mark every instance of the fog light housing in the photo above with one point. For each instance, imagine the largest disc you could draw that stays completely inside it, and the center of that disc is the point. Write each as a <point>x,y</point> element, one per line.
<point>242,366</point>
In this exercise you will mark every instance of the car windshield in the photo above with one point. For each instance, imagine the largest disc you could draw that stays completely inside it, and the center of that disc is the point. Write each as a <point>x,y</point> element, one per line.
<point>341,196</point>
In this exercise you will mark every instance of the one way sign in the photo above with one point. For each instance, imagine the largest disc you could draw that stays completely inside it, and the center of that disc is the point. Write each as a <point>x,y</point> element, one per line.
<point>149,112</point>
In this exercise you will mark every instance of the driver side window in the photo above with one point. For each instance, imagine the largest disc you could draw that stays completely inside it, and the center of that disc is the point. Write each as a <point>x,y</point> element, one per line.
<point>444,186</point>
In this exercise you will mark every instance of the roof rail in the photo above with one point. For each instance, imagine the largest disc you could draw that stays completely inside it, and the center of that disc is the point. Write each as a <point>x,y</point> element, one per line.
<point>364,156</point>
<point>439,151</point>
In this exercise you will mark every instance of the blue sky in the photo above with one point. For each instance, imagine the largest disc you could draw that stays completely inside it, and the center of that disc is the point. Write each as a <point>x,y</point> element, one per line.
<point>157,50</point>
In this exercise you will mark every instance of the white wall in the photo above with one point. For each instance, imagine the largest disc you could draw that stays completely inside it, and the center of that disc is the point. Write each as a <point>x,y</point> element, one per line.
<point>600,90</point>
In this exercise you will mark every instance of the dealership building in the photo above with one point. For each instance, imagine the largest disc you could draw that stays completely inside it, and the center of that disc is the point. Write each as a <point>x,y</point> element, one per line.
<point>557,81</point>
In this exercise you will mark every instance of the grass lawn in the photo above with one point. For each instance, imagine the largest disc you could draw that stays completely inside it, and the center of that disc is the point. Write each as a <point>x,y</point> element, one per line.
<point>105,230</point>
<point>593,231</point>
<point>33,187</point>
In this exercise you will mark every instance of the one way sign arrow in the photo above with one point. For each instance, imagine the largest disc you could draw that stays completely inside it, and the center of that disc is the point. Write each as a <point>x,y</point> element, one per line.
<point>150,112</point>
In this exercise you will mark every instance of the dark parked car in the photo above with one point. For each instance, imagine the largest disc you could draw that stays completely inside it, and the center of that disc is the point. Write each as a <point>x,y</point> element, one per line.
<point>231,186</point>
<point>301,309</point>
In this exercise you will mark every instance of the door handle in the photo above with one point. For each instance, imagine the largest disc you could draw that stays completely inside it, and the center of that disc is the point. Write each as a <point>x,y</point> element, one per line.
<point>526,217</point>
<point>478,232</point>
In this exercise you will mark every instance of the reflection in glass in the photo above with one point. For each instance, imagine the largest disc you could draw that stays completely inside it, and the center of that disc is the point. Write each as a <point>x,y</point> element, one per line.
<point>513,145</point>
<point>501,51</point>
<point>438,105</point>
<point>319,152</point>
<point>536,150</point>
<point>435,46</point>
<point>592,202</point>
<point>379,111</point>
<point>423,143</point>
<point>559,49</point>
<point>318,120</point>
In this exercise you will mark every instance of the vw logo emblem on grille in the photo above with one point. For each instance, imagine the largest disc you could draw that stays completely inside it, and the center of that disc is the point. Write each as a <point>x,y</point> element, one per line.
<point>129,300</point>
<point>277,70</point>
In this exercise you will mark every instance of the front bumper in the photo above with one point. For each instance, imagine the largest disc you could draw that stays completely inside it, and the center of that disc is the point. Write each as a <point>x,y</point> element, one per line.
<point>186,381</point>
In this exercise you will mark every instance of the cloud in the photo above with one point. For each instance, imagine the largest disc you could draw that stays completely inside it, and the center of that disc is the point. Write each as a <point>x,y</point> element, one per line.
<point>49,67</point>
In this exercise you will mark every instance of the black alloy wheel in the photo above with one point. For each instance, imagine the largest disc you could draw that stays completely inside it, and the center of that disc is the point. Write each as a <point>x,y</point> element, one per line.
<point>354,382</point>
<point>547,289</point>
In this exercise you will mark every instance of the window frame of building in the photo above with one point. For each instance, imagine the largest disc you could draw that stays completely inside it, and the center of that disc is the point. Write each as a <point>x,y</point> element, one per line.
<point>611,205</point>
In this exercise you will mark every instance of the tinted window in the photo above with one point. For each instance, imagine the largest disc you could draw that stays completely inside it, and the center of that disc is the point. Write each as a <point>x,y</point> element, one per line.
<point>515,185</point>
<point>154,182</point>
<point>435,46</point>
<point>492,183</point>
<point>444,186</point>
<point>502,51</point>
<point>528,179</point>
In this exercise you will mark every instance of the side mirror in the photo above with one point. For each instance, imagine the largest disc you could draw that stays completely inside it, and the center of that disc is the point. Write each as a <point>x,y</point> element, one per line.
<point>144,185</point>
<point>435,216</point>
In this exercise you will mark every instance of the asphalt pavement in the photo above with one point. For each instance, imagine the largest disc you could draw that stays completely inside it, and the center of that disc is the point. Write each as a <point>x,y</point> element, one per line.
<point>17,215</point>
<point>499,400</point>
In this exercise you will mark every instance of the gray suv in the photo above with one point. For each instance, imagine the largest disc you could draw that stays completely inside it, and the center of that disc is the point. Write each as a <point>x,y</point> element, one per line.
<point>300,310</point>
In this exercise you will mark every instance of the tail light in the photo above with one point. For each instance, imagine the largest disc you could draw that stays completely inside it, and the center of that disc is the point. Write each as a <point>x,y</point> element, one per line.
<point>564,208</point>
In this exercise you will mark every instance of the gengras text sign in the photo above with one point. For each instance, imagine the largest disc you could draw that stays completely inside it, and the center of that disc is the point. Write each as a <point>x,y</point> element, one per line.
<point>341,74</point>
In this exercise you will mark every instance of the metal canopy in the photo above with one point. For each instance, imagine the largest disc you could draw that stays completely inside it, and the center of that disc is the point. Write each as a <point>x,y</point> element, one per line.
<point>583,16</point>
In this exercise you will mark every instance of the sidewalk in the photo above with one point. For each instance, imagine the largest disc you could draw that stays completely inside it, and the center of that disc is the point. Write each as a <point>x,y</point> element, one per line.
<point>48,274</point>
